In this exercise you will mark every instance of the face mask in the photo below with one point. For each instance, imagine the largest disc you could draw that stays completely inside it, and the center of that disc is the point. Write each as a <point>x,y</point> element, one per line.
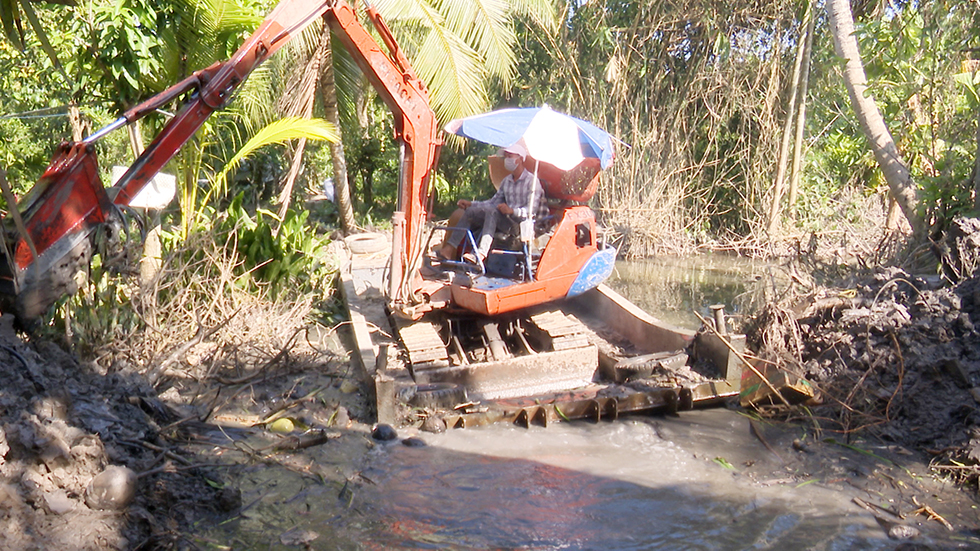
<point>510,164</point>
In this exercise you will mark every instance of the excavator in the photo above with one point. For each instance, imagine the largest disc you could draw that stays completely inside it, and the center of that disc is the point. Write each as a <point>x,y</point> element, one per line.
<point>457,322</point>
<point>49,233</point>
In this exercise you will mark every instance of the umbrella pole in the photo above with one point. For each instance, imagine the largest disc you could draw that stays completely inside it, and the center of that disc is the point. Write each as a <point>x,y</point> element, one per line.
<point>527,225</point>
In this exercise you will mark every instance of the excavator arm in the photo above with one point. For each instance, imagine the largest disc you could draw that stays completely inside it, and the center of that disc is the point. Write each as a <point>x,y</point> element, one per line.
<point>53,222</point>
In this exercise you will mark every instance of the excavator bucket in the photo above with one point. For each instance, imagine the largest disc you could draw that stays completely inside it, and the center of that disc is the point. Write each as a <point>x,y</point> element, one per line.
<point>48,245</point>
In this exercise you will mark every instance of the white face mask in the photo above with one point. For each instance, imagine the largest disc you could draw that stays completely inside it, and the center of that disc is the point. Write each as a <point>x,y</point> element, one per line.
<point>510,164</point>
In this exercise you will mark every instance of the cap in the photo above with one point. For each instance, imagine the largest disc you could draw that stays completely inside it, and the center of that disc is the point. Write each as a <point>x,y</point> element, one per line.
<point>517,149</point>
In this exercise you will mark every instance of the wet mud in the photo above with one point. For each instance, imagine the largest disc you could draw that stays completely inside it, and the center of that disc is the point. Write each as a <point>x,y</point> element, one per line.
<point>893,355</point>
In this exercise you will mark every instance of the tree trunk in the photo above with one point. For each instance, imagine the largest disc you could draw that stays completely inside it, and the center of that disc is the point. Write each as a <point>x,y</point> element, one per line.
<point>890,161</point>
<point>79,126</point>
<point>777,191</point>
<point>341,189</point>
<point>794,175</point>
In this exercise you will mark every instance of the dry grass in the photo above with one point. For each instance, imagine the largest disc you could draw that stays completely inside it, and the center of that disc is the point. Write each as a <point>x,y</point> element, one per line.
<point>193,319</point>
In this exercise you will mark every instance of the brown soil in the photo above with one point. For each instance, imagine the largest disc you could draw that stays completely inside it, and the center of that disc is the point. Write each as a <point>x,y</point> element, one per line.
<point>894,356</point>
<point>63,421</point>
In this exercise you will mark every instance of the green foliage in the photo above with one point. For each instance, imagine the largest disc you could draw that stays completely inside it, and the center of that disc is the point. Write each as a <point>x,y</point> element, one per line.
<point>926,105</point>
<point>277,132</point>
<point>284,256</point>
<point>102,310</point>
<point>118,47</point>
<point>20,155</point>
<point>457,46</point>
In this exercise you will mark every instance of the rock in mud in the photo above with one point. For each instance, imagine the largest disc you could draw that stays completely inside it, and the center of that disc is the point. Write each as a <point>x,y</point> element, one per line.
<point>414,442</point>
<point>434,424</point>
<point>903,532</point>
<point>112,489</point>
<point>384,432</point>
<point>9,497</point>
<point>229,499</point>
<point>58,502</point>
<point>341,418</point>
<point>296,537</point>
<point>4,447</point>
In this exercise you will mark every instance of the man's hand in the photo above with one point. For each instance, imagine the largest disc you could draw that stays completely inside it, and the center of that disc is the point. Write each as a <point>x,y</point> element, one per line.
<point>504,208</point>
<point>464,203</point>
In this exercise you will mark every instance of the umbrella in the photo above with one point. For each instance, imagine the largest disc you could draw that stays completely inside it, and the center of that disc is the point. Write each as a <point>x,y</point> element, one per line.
<point>549,136</point>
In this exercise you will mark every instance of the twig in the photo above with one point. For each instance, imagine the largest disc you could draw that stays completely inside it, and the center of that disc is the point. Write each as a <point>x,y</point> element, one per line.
<point>741,357</point>
<point>874,508</point>
<point>758,434</point>
<point>169,468</point>
<point>8,195</point>
<point>901,373</point>
<point>930,513</point>
<point>290,405</point>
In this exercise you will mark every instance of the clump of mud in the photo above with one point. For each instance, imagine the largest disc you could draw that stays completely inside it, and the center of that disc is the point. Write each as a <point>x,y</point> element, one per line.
<point>893,355</point>
<point>139,455</point>
<point>63,423</point>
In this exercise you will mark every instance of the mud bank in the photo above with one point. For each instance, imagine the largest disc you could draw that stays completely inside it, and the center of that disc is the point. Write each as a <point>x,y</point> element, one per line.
<point>171,452</point>
<point>895,356</point>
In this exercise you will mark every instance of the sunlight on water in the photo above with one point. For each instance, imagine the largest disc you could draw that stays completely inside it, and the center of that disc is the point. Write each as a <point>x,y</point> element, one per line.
<point>671,288</point>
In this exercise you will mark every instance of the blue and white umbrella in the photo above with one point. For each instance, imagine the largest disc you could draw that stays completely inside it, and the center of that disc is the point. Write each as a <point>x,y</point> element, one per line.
<point>549,136</point>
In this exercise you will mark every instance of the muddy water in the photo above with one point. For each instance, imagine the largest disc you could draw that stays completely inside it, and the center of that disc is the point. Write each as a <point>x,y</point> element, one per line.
<point>702,480</point>
<point>636,484</point>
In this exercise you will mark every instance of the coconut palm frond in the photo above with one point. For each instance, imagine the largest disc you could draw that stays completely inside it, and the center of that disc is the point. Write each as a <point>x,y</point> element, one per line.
<point>278,132</point>
<point>452,69</point>
<point>13,28</point>
<point>298,96</point>
<point>486,26</point>
<point>454,74</point>
<point>542,12</point>
<point>349,82</point>
<point>404,11</point>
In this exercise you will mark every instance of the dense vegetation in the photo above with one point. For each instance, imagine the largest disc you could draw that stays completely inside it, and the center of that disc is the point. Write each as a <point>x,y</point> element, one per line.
<point>717,106</point>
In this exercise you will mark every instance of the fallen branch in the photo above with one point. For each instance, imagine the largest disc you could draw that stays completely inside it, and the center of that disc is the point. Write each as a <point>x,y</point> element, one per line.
<point>875,508</point>
<point>301,442</point>
<point>758,434</point>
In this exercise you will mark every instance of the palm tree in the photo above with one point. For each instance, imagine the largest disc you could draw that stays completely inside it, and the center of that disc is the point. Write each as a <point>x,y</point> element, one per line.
<point>893,167</point>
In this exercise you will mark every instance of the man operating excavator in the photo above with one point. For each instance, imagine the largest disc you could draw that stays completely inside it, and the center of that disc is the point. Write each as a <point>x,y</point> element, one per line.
<point>519,196</point>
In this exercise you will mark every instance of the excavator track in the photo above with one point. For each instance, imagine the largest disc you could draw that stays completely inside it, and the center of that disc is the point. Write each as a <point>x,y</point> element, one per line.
<point>422,343</point>
<point>557,331</point>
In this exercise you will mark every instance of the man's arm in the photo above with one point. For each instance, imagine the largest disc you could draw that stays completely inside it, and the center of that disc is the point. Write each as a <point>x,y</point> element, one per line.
<point>498,198</point>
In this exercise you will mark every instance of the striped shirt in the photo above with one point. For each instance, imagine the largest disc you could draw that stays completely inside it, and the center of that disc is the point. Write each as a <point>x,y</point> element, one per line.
<point>516,193</point>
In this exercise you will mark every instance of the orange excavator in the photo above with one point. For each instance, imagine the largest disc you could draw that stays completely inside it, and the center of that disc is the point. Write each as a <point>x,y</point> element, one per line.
<point>48,236</point>
<point>470,332</point>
